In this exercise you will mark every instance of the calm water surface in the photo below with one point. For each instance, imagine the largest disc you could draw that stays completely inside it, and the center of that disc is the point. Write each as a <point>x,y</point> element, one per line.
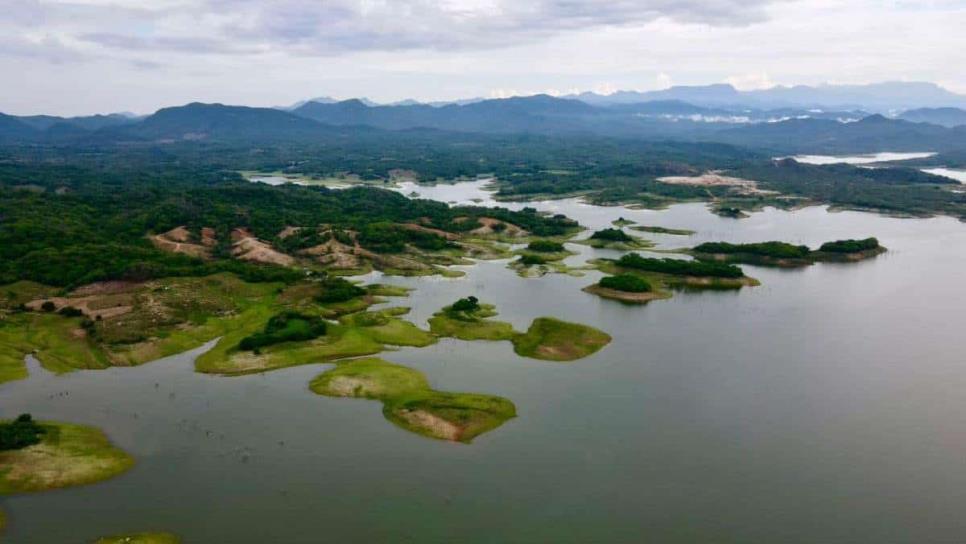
<point>826,406</point>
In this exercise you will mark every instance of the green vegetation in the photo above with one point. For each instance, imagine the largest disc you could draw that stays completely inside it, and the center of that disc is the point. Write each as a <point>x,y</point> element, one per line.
<point>409,402</point>
<point>546,246</point>
<point>777,250</point>
<point>467,319</point>
<point>288,326</point>
<point>383,290</point>
<point>663,230</point>
<point>140,538</point>
<point>335,289</point>
<point>784,254</point>
<point>850,246</point>
<point>555,340</point>
<point>68,455</point>
<point>679,267</point>
<point>626,282</point>
<point>528,259</point>
<point>621,222</point>
<point>356,334</point>
<point>20,433</point>
<point>611,235</point>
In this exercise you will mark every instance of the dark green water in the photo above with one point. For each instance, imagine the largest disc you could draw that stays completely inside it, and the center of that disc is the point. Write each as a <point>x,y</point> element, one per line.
<point>826,406</point>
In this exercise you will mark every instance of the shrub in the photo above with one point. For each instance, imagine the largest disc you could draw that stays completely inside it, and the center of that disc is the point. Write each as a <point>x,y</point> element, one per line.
<point>48,306</point>
<point>469,304</point>
<point>70,311</point>
<point>679,267</point>
<point>850,246</point>
<point>778,250</point>
<point>336,289</point>
<point>530,260</point>
<point>546,246</point>
<point>625,282</point>
<point>611,235</point>
<point>20,433</point>
<point>287,326</point>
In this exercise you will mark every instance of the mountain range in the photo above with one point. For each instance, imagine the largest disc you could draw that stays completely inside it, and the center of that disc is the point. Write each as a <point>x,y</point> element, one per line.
<point>682,113</point>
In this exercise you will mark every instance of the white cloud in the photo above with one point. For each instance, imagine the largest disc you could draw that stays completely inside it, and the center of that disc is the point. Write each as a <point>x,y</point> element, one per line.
<point>134,55</point>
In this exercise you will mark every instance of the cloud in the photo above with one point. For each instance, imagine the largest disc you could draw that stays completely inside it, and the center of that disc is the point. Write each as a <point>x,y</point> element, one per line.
<point>310,27</point>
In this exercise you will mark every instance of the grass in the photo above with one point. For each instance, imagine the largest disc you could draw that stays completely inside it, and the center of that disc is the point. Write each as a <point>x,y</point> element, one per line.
<point>59,343</point>
<point>409,402</point>
<point>473,326</point>
<point>140,538</point>
<point>663,282</point>
<point>69,455</point>
<point>356,335</point>
<point>385,290</point>
<point>663,230</point>
<point>551,339</point>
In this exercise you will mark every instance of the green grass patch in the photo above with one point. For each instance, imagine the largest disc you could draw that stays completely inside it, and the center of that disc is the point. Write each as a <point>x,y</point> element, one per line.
<point>663,230</point>
<point>68,455</point>
<point>470,325</point>
<point>409,402</point>
<point>555,340</point>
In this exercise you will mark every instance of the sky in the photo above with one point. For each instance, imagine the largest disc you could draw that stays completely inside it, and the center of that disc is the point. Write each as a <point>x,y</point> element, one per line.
<point>76,57</point>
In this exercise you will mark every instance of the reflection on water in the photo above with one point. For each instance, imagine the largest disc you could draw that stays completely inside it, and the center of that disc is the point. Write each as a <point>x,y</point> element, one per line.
<point>824,406</point>
<point>958,175</point>
<point>860,159</point>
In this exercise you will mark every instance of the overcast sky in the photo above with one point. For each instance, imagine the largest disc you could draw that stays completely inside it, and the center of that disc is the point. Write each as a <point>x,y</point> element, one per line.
<point>73,57</point>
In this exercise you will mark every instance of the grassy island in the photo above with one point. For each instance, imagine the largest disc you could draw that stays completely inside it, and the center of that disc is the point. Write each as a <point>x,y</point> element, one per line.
<point>65,455</point>
<point>787,255</point>
<point>665,274</point>
<point>354,335</point>
<point>468,319</point>
<point>140,538</point>
<point>615,239</point>
<point>663,230</point>
<point>626,288</point>
<point>621,222</point>
<point>551,339</point>
<point>547,338</point>
<point>409,402</point>
<point>541,257</point>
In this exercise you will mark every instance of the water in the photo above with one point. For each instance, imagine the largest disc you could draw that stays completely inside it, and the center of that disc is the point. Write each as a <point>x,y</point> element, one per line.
<point>958,175</point>
<point>827,405</point>
<point>860,159</point>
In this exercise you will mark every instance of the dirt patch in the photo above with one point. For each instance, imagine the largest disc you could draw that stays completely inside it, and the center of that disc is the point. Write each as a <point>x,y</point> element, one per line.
<point>338,255</point>
<point>431,424</point>
<point>348,386</point>
<point>178,240</point>
<point>111,287</point>
<point>91,306</point>
<point>248,248</point>
<point>288,231</point>
<point>709,179</point>
<point>509,229</point>
<point>209,238</point>
<point>429,230</point>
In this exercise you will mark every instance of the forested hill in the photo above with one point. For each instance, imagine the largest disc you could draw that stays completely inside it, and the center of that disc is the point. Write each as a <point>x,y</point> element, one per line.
<point>780,131</point>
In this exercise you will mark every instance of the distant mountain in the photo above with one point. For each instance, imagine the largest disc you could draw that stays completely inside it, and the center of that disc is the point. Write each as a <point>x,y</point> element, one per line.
<point>947,117</point>
<point>13,129</point>
<point>197,121</point>
<point>519,114</point>
<point>872,134</point>
<point>880,97</point>
<point>90,122</point>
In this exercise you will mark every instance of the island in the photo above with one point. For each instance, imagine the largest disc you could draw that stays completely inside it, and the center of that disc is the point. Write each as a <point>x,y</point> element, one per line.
<point>40,456</point>
<point>666,274</point>
<point>547,338</point>
<point>782,254</point>
<point>409,402</point>
<point>662,230</point>
<point>615,239</point>
<point>541,257</point>
<point>628,288</point>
